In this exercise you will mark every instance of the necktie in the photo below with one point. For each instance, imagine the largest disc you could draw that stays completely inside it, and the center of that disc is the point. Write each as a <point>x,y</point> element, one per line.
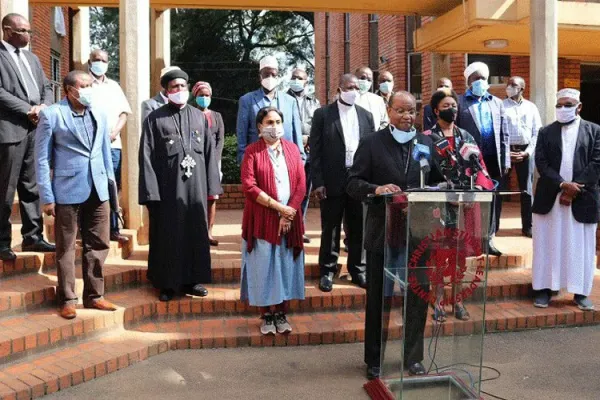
<point>32,91</point>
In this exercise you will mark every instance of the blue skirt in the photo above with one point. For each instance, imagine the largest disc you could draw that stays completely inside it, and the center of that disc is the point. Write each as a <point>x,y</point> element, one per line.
<point>270,274</point>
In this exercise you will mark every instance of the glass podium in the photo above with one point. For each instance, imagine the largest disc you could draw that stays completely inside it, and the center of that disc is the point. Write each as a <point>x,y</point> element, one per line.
<point>435,257</point>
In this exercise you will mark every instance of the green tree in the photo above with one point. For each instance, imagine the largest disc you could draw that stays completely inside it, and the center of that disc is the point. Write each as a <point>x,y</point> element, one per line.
<point>104,34</point>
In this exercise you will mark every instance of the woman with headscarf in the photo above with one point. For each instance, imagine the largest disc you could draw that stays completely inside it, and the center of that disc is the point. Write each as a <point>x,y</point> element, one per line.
<point>215,129</point>
<point>274,185</point>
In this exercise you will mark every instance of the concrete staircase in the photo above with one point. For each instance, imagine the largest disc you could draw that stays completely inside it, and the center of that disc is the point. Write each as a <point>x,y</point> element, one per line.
<point>41,353</point>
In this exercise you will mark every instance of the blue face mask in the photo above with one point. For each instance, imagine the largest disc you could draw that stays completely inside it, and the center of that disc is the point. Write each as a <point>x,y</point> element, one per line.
<point>480,87</point>
<point>403,136</point>
<point>203,102</point>
<point>297,85</point>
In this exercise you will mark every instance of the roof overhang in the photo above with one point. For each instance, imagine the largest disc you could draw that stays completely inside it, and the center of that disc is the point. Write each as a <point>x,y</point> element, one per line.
<point>420,7</point>
<point>466,28</point>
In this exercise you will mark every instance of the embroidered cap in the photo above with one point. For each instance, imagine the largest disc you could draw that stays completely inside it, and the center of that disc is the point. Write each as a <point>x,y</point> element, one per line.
<point>570,93</point>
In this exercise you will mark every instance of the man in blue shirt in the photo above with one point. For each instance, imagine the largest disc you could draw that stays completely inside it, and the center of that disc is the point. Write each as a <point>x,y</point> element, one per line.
<point>482,115</point>
<point>267,96</point>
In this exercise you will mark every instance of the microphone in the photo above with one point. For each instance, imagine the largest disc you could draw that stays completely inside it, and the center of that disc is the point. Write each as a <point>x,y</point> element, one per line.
<point>471,153</point>
<point>443,148</point>
<point>422,154</point>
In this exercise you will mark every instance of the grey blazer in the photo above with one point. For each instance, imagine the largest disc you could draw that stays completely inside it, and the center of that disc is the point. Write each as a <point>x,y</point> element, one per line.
<point>151,104</point>
<point>14,104</point>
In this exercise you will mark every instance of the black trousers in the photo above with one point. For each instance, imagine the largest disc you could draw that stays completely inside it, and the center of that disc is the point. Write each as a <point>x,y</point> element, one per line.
<point>524,170</point>
<point>378,311</point>
<point>333,210</point>
<point>491,163</point>
<point>17,174</point>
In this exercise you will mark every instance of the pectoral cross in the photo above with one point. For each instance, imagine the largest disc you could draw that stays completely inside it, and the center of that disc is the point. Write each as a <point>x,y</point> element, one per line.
<point>187,164</point>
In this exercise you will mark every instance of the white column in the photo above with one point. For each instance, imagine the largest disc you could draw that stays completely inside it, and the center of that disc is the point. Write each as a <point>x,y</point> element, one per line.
<point>134,44</point>
<point>544,57</point>
<point>14,6</point>
<point>160,45</point>
<point>81,38</point>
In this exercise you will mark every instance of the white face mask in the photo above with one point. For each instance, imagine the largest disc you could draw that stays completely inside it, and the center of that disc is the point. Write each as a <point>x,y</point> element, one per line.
<point>271,133</point>
<point>512,91</point>
<point>565,115</point>
<point>270,83</point>
<point>179,98</point>
<point>99,68</point>
<point>349,97</point>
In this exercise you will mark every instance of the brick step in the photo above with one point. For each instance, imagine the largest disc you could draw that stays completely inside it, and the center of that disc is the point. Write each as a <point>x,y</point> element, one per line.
<point>33,291</point>
<point>57,369</point>
<point>62,368</point>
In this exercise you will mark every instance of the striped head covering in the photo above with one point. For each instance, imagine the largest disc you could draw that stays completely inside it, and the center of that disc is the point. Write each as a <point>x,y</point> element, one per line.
<point>199,86</point>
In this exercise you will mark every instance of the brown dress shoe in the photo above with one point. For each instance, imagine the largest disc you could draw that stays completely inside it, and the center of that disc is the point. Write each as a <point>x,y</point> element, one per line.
<point>68,311</point>
<point>101,305</point>
<point>117,237</point>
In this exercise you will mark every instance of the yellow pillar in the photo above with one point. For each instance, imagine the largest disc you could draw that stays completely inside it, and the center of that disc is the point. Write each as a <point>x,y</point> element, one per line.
<point>134,44</point>
<point>160,45</point>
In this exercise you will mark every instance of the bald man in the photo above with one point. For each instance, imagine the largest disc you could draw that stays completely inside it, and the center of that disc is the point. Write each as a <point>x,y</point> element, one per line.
<point>336,130</point>
<point>386,85</point>
<point>429,117</point>
<point>383,164</point>
<point>109,96</point>
<point>24,93</point>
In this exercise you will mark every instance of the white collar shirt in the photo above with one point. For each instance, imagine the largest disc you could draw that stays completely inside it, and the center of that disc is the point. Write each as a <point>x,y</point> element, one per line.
<point>11,50</point>
<point>374,104</point>
<point>109,97</point>
<point>522,122</point>
<point>350,128</point>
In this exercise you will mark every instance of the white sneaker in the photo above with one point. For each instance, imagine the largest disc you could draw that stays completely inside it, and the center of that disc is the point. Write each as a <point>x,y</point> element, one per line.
<point>283,326</point>
<point>268,326</point>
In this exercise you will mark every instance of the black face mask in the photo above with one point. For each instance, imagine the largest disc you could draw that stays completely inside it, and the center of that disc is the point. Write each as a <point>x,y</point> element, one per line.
<point>448,115</point>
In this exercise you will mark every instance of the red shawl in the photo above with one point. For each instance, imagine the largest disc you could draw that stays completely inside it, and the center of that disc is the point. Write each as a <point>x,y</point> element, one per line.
<point>260,222</point>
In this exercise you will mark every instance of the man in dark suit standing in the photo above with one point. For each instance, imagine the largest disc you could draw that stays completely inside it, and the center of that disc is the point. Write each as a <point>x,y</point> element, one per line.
<point>482,115</point>
<point>566,208</point>
<point>336,131</point>
<point>384,164</point>
<point>24,92</point>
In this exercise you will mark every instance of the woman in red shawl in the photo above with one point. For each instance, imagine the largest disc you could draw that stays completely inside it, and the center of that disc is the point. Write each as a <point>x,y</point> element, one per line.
<point>274,184</point>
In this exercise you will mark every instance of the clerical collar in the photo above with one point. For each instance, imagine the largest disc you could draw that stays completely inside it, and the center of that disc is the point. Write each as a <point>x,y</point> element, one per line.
<point>344,106</point>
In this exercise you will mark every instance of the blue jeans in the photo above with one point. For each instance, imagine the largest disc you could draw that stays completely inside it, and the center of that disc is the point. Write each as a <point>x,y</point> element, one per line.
<point>116,160</point>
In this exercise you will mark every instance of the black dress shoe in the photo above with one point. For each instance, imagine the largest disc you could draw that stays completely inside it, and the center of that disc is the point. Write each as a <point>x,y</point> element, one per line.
<point>198,290</point>
<point>527,233</point>
<point>360,280</point>
<point>306,239</point>
<point>416,369</point>
<point>373,373</point>
<point>492,250</point>
<point>41,246</point>
<point>326,283</point>
<point>166,295</point>
<point>117,237</point>
<point>7,255</point>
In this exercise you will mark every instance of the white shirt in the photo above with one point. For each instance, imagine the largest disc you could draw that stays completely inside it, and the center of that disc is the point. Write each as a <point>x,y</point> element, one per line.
<point>376,106</point>
<point>522,122</point>
<point>109,96</point>
<point>11,50</point>
<point>351,130</point>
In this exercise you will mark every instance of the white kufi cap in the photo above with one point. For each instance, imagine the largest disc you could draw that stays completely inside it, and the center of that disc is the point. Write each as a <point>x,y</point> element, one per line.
<point>477,66</point>
<point>167,69</point>
<point>268,62</point>
<point>570,93</point>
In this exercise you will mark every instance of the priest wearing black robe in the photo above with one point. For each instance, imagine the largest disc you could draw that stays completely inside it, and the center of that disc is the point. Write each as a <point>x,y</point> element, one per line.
<point>178,171</point>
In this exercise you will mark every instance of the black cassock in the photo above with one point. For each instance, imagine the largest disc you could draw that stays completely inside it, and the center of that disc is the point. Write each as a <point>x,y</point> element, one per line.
<point>179,249</point>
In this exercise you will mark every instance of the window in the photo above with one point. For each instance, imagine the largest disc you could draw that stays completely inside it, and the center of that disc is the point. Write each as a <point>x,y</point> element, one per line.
<point>374,44</point>
<point>55,74</point>
<point>499,66</point>
<point>414,75</point>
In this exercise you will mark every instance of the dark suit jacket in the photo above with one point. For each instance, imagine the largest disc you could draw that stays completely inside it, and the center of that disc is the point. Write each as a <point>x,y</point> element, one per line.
<point>586,170</point>
<point>429,118</point>
<point>328,147</point>
<point>151,104</point>
<point>376,164</point>
<point>14,104</point>
<point>466,119</point>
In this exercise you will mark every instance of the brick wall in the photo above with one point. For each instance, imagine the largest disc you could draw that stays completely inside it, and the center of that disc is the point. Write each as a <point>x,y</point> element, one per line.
<point>392,46</point>
<point>41,22</point>
<point>359,41</point>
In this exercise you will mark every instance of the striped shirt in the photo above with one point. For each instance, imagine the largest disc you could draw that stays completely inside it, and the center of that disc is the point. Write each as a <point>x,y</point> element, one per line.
<point>523,122</point>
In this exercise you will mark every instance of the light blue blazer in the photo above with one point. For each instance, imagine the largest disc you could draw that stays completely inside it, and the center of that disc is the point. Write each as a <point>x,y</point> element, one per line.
<point>251,103</point>
<point>77,165</point>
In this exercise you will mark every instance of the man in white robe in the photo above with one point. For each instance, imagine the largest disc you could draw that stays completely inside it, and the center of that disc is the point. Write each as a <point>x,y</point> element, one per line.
<point>566,208</point>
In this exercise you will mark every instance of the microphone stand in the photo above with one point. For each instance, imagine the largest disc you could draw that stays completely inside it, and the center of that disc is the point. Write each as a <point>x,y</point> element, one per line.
<point>422,179</point>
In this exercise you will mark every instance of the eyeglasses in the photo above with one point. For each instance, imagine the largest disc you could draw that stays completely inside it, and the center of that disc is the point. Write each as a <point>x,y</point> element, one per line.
<point>402,112</point>
<point>20,31</point>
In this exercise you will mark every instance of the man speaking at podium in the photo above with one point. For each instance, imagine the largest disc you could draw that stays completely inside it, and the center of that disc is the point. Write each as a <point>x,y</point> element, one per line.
<point>385,163</point>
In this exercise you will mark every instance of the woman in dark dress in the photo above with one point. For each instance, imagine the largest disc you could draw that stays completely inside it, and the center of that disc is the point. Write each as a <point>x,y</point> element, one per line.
<point>202,92</point>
